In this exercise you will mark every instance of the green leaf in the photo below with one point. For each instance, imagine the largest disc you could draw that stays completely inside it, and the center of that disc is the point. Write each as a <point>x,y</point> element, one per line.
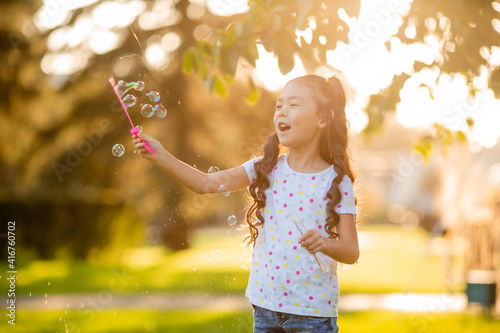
<point>254,95</point>
<point>229,62</point>
<point>188,61</point>
<point>219,87</point>
<point>286,62</point>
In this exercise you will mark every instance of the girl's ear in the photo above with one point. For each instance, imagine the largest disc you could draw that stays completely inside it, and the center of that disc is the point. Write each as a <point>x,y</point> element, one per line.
<point>325,121</point>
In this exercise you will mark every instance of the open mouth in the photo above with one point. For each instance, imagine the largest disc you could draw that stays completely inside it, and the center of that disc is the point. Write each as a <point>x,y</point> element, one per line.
<point>283,127</point>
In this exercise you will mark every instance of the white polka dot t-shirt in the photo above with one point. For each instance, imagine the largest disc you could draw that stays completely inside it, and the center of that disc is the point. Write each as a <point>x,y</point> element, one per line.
<point>284,277</point>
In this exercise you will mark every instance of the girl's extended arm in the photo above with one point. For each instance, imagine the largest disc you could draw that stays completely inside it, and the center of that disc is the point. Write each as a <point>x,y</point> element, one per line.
<point>345,249</point>
<point>197,181</point>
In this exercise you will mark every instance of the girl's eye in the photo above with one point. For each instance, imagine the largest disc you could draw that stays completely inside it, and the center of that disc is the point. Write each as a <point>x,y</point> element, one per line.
<point>294,105</point>
<point>278,107</point>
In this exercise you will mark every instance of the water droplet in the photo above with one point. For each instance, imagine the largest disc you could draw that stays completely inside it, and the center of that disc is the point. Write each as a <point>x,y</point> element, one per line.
<point>224,191</point>
<point>154,96</point>
<point>118,150</point>
<point>213,169</point>
<point>160,111</point>
<point>140,85</point>
<point>215,255</point>
<point>232,220</point>
<point>129,100</point>
<point>147,110</point>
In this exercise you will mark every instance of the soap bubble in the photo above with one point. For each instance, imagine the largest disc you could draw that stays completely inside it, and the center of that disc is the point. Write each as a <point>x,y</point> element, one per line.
<point>310,265</point>
<point>213,169</point>
<point>154,96</point>
<point>140,85</point>
<point>224,191</point>
<point>160,111</point>
<point>118,150</point>
<point>147,110</point>
<point>140,128</point>
<point>232,220</point>
<point>121,86</point>
<point>129,100</point>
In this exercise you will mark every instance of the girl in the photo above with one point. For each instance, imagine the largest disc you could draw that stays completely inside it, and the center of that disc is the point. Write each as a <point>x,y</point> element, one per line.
<point>312,183</point>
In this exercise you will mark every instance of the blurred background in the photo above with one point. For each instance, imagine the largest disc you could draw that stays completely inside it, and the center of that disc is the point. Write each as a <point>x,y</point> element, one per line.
<point>107,243</point>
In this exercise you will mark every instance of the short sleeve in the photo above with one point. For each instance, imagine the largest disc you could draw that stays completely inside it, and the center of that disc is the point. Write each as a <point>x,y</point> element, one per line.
<point>249,168</point>
<point>347,204</point>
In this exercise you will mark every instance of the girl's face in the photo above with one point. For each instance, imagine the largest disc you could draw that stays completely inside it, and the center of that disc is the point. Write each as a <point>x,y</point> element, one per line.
<point>296,119</point>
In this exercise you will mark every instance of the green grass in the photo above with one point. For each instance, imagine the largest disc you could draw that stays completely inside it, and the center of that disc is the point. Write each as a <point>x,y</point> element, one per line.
<point>392,260</point>
<point>131,321</point>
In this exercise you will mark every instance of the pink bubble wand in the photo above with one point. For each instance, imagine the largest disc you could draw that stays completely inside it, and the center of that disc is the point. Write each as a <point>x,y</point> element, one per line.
<point>134,129</point>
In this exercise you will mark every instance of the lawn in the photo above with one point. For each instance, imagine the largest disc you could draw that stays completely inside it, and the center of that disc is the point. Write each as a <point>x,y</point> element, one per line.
<point>132,321</point>
<point>392,260</point>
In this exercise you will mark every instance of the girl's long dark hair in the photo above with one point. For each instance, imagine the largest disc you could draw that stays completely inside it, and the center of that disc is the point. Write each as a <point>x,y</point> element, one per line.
<point>331,101</point>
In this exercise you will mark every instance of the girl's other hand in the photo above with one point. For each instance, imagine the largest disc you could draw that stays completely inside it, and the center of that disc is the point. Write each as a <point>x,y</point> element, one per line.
<point>312,241</point>
<point>139,140</point>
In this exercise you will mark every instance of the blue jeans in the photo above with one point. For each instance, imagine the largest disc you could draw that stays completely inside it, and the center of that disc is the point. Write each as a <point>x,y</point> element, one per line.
<point>267,321</point>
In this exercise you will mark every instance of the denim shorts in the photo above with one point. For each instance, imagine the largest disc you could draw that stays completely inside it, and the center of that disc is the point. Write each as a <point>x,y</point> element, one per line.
<point>267,321</point>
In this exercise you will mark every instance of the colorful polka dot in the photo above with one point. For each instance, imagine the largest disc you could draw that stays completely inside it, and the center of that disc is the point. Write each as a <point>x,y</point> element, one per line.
<point>311,298</point>
<point>301,209</point>
<point>339,206</point>
<point>311,200</point>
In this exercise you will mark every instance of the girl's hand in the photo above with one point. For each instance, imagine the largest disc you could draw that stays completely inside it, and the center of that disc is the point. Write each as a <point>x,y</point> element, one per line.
<point>153,143</point>
<point>312,241</point>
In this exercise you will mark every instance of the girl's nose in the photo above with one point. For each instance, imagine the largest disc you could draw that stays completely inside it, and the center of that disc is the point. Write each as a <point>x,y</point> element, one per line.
<point>282,112</point>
